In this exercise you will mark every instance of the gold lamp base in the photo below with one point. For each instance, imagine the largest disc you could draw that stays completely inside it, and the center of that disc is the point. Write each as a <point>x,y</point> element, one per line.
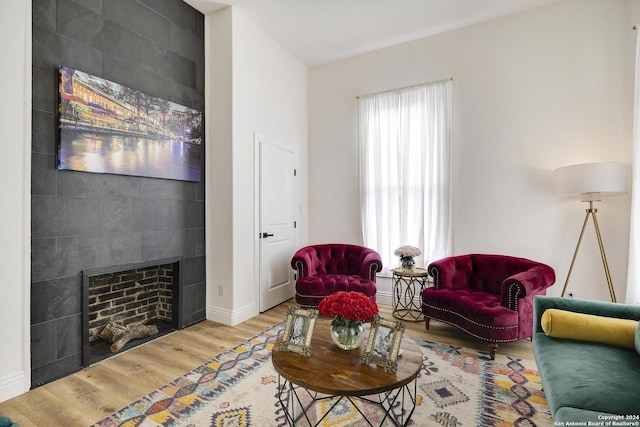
<point>592,212</point>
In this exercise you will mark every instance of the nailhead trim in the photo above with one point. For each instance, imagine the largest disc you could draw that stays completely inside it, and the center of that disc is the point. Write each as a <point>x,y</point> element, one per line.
<point>471,333</point>
<point>373,269</point>
<point>321,297</point>
<point>299,265</point>
<point>516,295</point>
<point>324,296</point>
<point>435,273</point>
<point>469,320</point>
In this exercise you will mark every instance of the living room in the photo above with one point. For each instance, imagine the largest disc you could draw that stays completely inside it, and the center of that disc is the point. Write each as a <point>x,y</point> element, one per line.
<point>533,91</point>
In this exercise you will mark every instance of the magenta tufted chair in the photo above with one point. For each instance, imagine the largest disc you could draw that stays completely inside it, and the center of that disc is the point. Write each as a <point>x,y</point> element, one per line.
<point>487,296</point>
<point>325,269</point>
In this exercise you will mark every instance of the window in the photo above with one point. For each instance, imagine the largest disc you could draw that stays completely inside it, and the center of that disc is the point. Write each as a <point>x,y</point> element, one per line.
<point>405,156</point>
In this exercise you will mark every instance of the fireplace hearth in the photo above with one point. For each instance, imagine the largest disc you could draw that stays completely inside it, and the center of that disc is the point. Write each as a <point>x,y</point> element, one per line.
<point>147,293</point>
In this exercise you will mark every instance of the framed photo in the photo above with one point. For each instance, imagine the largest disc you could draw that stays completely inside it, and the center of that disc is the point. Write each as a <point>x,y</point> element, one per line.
<point>298,330</point>
<point>384,343</point>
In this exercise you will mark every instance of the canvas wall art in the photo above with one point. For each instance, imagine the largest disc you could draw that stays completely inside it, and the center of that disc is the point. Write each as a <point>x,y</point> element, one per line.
<point>109,128</point>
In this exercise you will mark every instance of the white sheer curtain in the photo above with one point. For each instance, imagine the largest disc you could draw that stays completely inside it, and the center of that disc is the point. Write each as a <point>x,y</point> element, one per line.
<point>405,173</point>
<point>633,272</point>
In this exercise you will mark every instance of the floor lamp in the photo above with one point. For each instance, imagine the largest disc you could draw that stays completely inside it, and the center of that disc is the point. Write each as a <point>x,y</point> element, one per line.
<point>592,181</point>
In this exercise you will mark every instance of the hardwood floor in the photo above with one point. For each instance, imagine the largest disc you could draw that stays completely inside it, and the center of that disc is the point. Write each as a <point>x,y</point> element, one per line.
<point>93,393</point>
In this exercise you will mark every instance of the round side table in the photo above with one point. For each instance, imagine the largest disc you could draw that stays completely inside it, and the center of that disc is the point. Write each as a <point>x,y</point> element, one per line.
<point>407,287</point>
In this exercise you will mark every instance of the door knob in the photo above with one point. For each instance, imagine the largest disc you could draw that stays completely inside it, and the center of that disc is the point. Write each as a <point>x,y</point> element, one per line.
<point>265,235</point>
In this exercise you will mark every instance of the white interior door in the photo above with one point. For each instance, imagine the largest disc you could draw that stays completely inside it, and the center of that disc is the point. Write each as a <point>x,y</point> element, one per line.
<point>277,228</point>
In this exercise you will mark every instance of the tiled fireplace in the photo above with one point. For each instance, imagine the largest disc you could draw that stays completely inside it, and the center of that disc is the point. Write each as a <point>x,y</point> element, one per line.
<point>81,221</point>
<point>146,293</point>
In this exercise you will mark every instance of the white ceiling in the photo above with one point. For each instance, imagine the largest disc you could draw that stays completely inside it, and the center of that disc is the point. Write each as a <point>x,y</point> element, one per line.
<point>319,31</point>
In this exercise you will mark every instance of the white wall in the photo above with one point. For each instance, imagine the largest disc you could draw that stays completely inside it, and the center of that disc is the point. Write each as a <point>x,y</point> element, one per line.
<point>218,164</point>
<point>270,99</point>
<point>256,88</point>
<point>531,92</point>
<point>15,174</point>
<point>633,14</point>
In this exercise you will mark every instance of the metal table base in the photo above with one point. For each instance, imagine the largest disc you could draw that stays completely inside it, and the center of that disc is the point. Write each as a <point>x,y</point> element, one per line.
<point>296,401</point>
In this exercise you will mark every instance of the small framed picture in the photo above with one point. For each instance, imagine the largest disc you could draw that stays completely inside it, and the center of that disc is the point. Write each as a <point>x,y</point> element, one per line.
<point>383,346</point>
<point>298,330</point>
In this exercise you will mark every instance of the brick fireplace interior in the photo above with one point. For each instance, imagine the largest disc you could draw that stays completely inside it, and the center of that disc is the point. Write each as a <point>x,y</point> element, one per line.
<point>147,293</point>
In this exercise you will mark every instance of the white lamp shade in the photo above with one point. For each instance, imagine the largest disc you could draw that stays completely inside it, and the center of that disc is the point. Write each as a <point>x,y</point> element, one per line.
<point>606,179</point>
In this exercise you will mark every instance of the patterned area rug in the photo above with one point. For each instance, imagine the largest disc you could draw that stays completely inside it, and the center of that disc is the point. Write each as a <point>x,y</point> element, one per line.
<point>456,387</point>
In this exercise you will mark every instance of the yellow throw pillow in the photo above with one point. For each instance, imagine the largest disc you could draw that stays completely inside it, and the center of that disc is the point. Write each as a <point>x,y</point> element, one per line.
<point>588,327</point>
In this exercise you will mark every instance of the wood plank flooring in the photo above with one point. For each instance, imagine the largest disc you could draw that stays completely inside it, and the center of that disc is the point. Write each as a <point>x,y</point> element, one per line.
<point>93,393</point>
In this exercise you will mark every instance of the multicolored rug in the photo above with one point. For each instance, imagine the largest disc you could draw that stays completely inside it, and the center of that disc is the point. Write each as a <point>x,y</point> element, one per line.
<point>457,387</point>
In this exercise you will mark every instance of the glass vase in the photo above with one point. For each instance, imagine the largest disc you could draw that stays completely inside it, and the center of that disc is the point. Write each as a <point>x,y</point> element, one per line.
<point>407,263</point>
<point>347,334</point>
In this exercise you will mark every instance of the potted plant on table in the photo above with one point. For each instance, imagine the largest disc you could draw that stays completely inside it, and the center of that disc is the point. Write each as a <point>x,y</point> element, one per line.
<point>350,310</point>
<point>407,253</point>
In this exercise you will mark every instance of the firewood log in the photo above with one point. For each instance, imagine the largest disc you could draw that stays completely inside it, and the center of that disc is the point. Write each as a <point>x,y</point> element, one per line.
<point>119,335</point>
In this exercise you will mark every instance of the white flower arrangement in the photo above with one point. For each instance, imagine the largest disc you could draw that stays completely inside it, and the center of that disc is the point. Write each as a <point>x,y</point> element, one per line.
<point>407,251</point>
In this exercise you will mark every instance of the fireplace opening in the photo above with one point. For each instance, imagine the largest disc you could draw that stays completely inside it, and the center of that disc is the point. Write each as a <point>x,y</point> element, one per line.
<point>133,296</point>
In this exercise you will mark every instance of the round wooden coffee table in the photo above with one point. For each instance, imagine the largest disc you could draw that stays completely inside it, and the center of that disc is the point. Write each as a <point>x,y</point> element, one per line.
<point>331,375</point>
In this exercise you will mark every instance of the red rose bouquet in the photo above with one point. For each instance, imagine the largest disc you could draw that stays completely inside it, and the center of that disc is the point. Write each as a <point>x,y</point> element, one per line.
<point>351,306</point>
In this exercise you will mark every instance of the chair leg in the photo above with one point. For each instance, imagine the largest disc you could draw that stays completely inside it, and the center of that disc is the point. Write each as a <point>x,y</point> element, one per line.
<point>492,350</point>
<point>426,322</point>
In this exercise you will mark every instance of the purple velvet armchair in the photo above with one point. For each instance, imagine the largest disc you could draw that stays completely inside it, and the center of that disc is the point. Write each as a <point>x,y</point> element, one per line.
<point>487,296</point>
<point>325,269</point>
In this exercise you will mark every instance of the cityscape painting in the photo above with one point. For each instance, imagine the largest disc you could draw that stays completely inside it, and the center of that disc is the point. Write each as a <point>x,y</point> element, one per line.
<point>109,128</point>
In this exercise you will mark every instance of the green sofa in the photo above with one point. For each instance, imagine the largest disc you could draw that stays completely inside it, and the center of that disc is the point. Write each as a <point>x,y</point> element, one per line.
<point>587,381</point>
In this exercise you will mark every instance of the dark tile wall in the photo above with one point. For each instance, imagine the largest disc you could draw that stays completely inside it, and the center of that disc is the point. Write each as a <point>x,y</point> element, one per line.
<point>81,220</point>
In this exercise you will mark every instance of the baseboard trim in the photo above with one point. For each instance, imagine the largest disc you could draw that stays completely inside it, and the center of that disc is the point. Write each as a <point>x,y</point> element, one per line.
<point>12,385</point>
<point>384,298</point>
<point>232,317</point>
